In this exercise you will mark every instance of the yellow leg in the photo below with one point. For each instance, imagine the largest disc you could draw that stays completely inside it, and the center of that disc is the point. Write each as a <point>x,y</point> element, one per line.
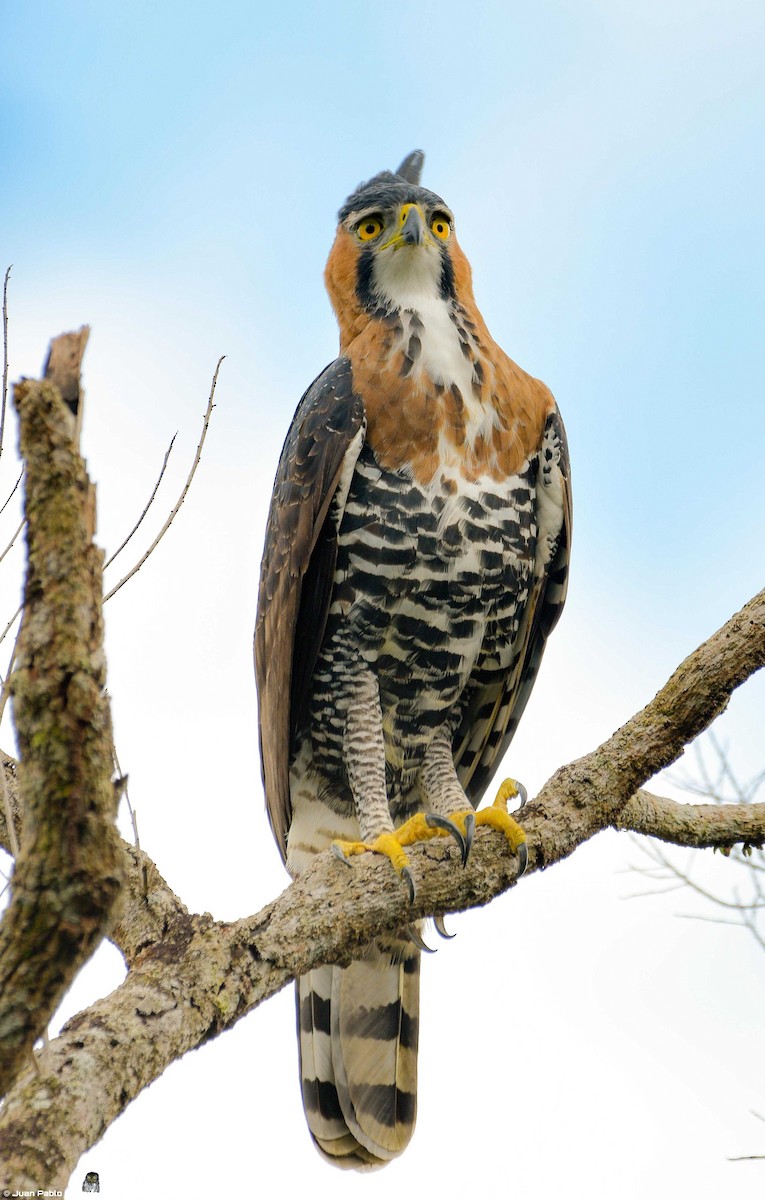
<point>419,828</point>
<point>460,825</point>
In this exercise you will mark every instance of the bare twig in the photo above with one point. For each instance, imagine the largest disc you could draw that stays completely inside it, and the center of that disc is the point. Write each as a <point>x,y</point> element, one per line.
<point>734,805</point>
<point>182,497</point>
<point>137,525</point>
<point>750,1157</point>
<point>123,782</point>
<point>13,489</point>
<point>13,539</point>
<point>5,691</point>
<point>5,357</point>
<point>8,627</point>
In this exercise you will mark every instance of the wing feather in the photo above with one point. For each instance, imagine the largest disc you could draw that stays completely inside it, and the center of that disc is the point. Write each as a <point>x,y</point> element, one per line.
<point>298,565</point>
<point>487,728</point>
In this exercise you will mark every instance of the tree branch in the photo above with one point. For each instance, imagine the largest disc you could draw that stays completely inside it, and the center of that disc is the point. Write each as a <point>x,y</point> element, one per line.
<point>191,977</point>
<point>698,825</point>
<point>4,392</point>
<point>197,457</point>
<point>69,869</point>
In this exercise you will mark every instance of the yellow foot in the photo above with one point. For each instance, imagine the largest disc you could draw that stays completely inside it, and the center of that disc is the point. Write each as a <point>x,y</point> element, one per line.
<point>496,817</point>
<point>418,828</point>
<point>387,844</point>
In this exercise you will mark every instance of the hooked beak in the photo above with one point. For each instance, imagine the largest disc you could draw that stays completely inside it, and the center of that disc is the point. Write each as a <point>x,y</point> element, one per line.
<point>411,231</point>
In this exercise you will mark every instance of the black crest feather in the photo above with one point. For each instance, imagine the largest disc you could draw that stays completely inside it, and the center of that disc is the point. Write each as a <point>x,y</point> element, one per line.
<point>411,167</point>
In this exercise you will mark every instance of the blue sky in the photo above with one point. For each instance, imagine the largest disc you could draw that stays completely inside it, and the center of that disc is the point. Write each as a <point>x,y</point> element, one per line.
<point>171,174</point>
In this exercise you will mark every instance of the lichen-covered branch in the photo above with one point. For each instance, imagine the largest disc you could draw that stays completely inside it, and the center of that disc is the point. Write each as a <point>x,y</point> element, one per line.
<point>191,978</point>
<point>69,869</point>
<point>589,794</point>
<point>718,825</point>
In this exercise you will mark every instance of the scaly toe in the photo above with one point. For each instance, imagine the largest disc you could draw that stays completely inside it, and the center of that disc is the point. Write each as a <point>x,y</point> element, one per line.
<point>510,789</point>
<point>386,844</point>
<point>345,850</point>
<point>496,818</point>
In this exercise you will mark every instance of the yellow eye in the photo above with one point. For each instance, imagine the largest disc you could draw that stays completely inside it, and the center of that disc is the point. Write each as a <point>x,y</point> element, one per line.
<point>440,226</point>
<point>369,228</point>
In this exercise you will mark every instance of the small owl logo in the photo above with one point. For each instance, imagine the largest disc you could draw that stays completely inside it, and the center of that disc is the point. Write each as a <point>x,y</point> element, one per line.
<point>91,1182</point>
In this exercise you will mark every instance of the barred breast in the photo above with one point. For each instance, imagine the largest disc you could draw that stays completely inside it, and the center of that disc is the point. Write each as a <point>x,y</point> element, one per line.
<point>430,584</point>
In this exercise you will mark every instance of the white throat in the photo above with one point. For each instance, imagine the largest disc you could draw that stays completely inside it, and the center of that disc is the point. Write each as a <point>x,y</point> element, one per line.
<point>406,276</point>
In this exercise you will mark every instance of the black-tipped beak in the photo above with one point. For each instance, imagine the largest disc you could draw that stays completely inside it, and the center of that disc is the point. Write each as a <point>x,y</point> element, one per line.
<point>413,229</point>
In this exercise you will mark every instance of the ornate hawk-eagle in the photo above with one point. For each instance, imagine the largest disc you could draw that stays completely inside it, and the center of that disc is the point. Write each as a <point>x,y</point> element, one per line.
<point>415,563</point>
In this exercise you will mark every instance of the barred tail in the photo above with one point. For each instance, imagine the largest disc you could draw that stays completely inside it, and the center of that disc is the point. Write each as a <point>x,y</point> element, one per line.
<point>358,1029</point>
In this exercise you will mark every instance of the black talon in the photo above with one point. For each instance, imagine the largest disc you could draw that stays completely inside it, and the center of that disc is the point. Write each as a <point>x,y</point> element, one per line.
<point>339,854</point>
<point>413,934</point>
<point>523,858</point>
<point>523,795</point>
<point>469,835</point>
<point>441,928</point>
<point>435,821</point>
<point>406,875</point>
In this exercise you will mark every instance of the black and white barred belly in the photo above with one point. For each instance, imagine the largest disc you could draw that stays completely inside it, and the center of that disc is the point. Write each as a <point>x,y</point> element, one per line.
<point>429,590</point>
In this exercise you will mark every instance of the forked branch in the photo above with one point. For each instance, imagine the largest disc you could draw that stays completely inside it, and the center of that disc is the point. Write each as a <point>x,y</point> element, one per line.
<point>190,977</point>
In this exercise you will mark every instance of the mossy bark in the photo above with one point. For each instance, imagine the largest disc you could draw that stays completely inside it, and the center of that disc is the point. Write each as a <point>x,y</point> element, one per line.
<point>70,867</point>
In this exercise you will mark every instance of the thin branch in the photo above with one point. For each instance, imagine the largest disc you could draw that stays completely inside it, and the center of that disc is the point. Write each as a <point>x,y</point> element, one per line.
<point>658,891</point>
<point>137,525</point>
<point>13,489</point>
<point>726,771</point>
<point>668,820</point>
<point>750,1157</point>
<point>122,779</point>
<point>187,485</point>
<point>5,358</point>
<point>749,923</point>
<point>13,539</point>
<point>5,691</point>
<point>9,626</point>
<point>6,688</point>
<point>667,870</point>
<point>710,920</point>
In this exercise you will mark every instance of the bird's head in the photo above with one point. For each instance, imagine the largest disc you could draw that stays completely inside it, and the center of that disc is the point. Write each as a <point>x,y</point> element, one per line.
<point>394,248</point>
